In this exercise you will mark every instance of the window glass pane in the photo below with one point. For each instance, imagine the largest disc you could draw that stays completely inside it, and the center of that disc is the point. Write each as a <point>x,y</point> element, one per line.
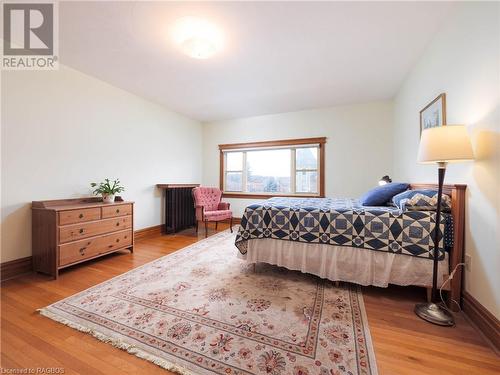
<point>306,158</point>
<point>234,181</point>
<point>269,171</point>
<point>234,161</point>
<point>306,182</point>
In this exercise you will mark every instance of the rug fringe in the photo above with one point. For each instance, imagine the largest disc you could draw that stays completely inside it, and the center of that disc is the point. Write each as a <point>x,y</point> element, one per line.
<point>129,348</point>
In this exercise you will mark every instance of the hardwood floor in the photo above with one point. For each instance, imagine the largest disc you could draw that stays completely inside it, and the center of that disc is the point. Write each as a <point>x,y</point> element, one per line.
<point>404,344</point>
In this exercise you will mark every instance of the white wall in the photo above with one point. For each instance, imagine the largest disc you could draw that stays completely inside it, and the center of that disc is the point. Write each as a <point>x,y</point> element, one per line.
<point>358,148</point>
<point>63,129</point>
<point>462,61</point>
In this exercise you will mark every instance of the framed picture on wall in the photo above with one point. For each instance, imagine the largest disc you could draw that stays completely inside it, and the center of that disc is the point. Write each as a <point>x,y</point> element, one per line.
<point>434,113</point>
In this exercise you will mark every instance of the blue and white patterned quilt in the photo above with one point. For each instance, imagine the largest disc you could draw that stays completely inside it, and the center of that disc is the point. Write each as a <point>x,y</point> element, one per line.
<point>344,222</point>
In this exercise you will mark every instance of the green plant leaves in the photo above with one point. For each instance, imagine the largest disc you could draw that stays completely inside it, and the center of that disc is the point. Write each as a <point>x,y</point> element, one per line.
<point>107,187</point>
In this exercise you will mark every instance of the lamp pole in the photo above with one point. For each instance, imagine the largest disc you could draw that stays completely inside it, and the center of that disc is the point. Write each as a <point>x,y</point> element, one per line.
<point>434,312</point>
<point>441,173</point>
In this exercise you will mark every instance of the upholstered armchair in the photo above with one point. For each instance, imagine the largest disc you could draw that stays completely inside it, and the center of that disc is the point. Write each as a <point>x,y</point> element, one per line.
<point>208,205</point>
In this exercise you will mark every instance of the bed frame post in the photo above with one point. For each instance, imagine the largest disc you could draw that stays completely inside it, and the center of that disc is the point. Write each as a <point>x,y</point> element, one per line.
<point>457,255</point>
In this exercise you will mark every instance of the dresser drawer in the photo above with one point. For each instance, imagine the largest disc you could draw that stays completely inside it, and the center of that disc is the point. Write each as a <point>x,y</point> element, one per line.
<point>78,216</point>
<point>79,231</point>
<point>81,250</point>
<point>117,210</point>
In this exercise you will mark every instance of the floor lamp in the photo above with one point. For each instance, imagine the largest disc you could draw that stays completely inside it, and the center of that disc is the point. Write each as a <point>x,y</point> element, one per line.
<point>441,145</point>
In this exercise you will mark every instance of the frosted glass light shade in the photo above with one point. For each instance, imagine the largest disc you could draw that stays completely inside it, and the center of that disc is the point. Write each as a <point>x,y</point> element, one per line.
<point>449,143</point>
<point>197,37</point>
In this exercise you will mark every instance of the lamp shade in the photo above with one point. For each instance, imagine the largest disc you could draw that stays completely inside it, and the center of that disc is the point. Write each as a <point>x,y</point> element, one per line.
<point>448,143</point>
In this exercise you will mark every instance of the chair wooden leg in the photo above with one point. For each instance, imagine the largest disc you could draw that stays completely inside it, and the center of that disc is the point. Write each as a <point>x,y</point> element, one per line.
<point>216,225</point>
<point>206,228</point>
<point>231,224</point>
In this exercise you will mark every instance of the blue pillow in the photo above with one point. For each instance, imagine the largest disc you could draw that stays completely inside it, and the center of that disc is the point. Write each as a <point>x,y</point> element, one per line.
<point>421,200</point>
<point>380,195</point>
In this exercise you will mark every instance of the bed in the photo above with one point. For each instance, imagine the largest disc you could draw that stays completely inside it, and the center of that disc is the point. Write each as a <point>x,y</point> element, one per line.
<point>340,240</point>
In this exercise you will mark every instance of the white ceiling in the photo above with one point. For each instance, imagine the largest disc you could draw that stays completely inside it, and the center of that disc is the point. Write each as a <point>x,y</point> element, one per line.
<point>279,56</point>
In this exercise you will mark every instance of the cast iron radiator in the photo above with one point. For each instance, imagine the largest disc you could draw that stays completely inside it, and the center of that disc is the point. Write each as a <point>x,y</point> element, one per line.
<point>179,207</point>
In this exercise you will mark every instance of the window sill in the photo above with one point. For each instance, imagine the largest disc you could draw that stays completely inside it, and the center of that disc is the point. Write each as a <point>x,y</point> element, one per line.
<point>265,196</point>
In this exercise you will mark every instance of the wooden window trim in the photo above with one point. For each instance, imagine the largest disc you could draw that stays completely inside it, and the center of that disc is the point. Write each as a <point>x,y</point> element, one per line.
<point>280,143</point>
<point>270,144</point>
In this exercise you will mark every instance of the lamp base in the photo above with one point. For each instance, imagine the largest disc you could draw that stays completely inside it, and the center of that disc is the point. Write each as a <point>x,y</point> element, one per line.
<point>434,313</point>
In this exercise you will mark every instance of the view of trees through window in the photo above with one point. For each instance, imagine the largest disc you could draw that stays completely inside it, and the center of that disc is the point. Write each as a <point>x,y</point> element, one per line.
<point>281,170</point>
<point>269,171</point>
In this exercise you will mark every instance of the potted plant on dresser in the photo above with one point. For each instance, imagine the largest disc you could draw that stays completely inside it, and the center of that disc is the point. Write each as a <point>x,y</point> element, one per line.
<point>107,189</point>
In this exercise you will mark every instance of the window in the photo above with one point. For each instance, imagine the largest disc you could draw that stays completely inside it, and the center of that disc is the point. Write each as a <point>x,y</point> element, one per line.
<point>276,168</point>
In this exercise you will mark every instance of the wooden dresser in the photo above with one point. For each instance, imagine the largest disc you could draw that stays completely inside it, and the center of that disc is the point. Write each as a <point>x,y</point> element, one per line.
<point>71,231</point>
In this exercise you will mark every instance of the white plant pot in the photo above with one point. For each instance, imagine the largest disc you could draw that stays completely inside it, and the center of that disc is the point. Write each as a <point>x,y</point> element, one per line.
<point>108,198</point>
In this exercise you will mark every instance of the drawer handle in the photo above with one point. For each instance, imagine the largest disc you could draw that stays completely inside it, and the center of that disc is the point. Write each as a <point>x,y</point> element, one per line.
<point>81,230</point>
<point>118,224</point>
<point>82,251</point>
<point>80,216</point>
<point>117,210</point>
<point>110,246</point>
<point>117,240</point>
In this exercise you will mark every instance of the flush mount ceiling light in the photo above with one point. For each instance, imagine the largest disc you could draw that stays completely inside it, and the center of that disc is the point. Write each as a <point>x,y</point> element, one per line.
<point>197,38</point>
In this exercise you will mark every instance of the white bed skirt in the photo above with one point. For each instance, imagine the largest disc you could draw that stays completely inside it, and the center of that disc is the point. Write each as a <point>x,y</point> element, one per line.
<point>344,263</point>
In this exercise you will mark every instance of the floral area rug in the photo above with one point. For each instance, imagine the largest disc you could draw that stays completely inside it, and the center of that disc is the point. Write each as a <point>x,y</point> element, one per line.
<point>203,310</point>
